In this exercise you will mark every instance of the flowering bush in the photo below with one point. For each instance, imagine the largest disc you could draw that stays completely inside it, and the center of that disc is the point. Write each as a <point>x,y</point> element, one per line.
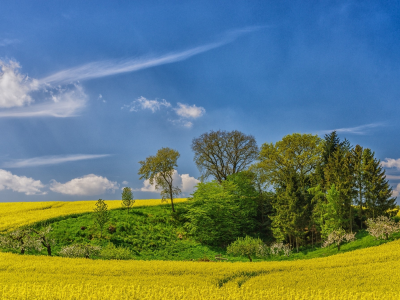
<point>80,250</point>
<point>338,237</point>
<point>382,227</point>
<point>280,248</point>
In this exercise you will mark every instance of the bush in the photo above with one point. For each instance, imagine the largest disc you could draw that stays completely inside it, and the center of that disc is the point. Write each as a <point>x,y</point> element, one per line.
<point>280,248</point>
<point>382,227</point>
<point>247,246</point>
<point>338,237</point>
<point>80,250</point>
<point>113,252</point>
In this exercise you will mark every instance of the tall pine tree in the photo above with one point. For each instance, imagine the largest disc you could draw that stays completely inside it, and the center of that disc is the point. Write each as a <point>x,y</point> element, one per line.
<point>378,193</point>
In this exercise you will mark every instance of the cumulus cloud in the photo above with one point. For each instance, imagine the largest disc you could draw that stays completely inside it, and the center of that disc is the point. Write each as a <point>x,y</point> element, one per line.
<point>187,111</point>
<point>396,191</point>
<point>184,181</point>
<point>87,185</point>
<point>391,163</point>
<point>143,103</point>
<point>21,96</point>
<point>125,182</point>
<point>15,88</point>
<point>21,184</point>
<point>50,160</point>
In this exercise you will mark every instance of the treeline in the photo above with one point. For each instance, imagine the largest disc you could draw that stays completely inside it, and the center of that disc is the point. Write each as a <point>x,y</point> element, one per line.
<point>297,190</point>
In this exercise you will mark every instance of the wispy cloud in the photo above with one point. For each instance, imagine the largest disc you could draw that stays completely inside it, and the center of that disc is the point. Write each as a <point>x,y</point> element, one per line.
<point>51,160</point>
<point>6,42</point>
<point>363,129</point>
<point>189,111</point>
<point>112,67</point>
<point>143,103</point>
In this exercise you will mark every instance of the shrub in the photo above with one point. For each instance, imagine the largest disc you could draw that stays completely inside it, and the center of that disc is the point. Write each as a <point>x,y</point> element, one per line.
<point>382,227</point>
<point>338,237</point>
<point>80,250</point>
<point>113,252</point>
<point>280,248</point>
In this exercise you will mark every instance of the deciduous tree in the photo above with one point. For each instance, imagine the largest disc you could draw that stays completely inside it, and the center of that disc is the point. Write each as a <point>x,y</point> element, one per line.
<point>101,215</point>
<point>221,153</point>
<point>159,170</point>
<point>127,198</point>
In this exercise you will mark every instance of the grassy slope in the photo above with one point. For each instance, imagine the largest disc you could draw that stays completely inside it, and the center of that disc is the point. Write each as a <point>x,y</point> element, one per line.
<point>150,233</point>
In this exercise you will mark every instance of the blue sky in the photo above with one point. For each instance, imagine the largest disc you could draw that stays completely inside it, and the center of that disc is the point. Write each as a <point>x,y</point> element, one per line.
<point>89,88</point>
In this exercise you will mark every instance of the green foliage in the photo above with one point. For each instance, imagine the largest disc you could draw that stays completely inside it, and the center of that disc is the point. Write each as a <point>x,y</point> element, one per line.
<point>112,252</point>
<point>159,170</point>
<point>221,153</point>
<point>101,215</point>
<point>246,246</point>
<point>219,213</point>
<point>127,198</point>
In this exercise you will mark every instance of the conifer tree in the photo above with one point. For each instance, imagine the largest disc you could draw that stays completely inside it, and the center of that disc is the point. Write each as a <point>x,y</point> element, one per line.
<point>359,179</point>
<point>378,193</point>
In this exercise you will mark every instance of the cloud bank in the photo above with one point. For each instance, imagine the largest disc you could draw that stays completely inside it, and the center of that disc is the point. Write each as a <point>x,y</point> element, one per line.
<point>85,186</point>
<point>21,184</point>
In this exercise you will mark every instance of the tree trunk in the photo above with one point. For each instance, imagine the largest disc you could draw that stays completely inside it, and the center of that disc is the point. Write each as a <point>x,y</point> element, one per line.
<point>172,200</point>
<point>338,247</point>
<point>297,245</point>
<point>48,247</point>
<point>250,257</point>
<point>22,250</point>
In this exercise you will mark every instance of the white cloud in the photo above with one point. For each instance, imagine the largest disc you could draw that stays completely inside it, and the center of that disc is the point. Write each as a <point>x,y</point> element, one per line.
<point>181,122</point>
<point>143,103</point>
<point>392,177</point>
<point>17,100</point>
<point>125,182</point>
<point>87,185</point>
<point>391,163</point>
<point>50,160</point>
<point>21,184</point>
<point>396,191</point>
<point>112,67</point>
<point>363,129</point>
<point>187,111</point>
<point>15,87</point>
<point>185,182</point>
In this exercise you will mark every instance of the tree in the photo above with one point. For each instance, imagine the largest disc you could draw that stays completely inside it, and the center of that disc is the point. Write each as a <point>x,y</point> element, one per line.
<point>221,153</point>
<point>289,165</point>
<point>359,179</point>
<point>101,215</point>
<point>218,213</point>
<point>20,239</point>
<point>159,170</point>
<point>127,198</point>
<point>246,246</point>
<point>43,236</point>
<point>340,172</point>
<point>378,193</point>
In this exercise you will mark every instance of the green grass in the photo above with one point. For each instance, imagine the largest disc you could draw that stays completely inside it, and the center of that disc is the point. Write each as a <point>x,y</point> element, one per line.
<point>152,232</point>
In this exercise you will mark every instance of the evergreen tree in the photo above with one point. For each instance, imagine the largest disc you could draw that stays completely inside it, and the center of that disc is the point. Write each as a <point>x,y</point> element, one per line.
<point>340,172</point>
<point>378,193</point>
<point>359,179</point>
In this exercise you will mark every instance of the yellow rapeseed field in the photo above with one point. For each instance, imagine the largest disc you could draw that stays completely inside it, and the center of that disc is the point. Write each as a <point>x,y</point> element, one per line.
<point>16,214</point>
<point>370,273</point>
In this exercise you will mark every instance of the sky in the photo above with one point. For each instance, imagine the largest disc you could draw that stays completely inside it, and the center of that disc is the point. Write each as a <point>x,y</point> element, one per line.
<point>90,88</point>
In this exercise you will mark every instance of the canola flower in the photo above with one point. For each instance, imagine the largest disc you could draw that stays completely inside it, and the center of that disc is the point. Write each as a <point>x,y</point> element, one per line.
<point>17,214</point>
<point>370,273</point>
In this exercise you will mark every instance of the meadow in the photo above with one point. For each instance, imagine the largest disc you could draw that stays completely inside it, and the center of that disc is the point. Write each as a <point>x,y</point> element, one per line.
<point>369,273</point>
